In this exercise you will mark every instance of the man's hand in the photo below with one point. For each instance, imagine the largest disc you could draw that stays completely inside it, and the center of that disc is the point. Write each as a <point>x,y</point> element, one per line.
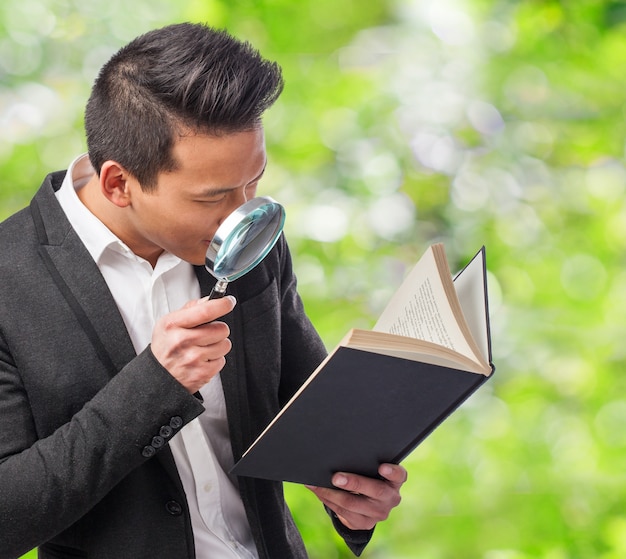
<point>361,502</point>
<point>190,345</point>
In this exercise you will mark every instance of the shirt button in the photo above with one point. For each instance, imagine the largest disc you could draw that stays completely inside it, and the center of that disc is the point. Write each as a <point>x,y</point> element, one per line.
<point>176,422</point>
<point>174,508</point>
<point>148,451</point>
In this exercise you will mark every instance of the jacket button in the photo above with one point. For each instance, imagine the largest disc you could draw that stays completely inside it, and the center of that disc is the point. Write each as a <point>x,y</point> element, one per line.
<point>158,441</point>
<point>176,422</point>
<point>174,508</point>
<point>148,451</point>
<point>166,431</point>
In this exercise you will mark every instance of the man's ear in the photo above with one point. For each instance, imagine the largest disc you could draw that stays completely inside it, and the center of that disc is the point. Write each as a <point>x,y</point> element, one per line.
<point>114,183</point>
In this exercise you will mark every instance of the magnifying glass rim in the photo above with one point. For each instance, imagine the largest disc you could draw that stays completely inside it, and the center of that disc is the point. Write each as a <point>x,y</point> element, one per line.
<point>231,223</point>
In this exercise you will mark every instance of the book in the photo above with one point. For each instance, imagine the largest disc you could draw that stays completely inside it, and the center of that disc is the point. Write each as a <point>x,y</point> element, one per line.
<point>381,392</point>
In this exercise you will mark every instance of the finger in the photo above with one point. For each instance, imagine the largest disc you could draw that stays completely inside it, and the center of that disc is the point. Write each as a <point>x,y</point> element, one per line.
<point>202,311</point>
<point>202,375</point>
<point>354,511</point>
<point>200,349</point>
<point>393,473</point>
<point>207,334</point>
<point>368,496</point>
<point>360,485</point>
<point>216,350</point>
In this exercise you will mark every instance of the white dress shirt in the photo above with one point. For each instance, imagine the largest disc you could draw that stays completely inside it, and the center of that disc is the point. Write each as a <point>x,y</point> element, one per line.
<point>202,449</point>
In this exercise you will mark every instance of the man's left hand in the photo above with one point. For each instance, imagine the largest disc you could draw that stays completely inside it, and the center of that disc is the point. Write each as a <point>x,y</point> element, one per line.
<point>361,502</point>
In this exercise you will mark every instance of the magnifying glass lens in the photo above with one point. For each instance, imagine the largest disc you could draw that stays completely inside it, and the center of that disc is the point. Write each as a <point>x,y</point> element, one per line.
<point>248,243</point>
<point>243,240</point>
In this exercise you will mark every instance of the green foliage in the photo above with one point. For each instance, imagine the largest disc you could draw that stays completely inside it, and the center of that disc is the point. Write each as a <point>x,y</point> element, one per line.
<point>404,123</point>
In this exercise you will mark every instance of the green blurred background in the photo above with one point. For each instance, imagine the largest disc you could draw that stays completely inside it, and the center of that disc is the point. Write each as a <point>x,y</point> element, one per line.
<point>406,122</point>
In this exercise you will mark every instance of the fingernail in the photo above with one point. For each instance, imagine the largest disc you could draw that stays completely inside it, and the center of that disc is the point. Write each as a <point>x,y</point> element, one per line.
<point>340,480</point>
<point>386,470</point>
<point>232,298</point>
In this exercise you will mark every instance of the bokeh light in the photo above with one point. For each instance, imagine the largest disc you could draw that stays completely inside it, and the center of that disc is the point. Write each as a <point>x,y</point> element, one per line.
<point>403,123</point>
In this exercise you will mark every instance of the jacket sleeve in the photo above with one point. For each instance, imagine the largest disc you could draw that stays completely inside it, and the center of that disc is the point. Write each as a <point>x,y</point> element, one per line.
<point>46,484</point>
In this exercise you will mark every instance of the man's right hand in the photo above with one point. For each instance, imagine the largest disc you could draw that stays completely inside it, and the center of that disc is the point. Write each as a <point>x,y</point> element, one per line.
<point>190,344</point>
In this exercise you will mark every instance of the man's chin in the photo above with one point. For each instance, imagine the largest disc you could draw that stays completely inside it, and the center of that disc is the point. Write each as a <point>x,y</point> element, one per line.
<point>193,259</point>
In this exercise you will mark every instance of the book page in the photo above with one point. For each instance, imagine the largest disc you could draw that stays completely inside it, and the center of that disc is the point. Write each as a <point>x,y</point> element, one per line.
<point>412,349</point>
<point>470,284</point>
<point>420,309</point>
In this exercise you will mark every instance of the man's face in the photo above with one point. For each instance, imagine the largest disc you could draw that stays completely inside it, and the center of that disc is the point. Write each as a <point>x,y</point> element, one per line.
<point>215,175</point>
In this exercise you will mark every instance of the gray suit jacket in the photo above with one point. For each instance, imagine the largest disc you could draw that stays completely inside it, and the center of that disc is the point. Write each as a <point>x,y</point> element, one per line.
<point>85,469</point>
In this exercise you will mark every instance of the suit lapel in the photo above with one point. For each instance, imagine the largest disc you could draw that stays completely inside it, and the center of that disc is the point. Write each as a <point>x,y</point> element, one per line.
<point>80,281</point>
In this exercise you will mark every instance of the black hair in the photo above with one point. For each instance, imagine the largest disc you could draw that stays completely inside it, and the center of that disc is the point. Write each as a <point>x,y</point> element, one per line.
<point>181,78</point>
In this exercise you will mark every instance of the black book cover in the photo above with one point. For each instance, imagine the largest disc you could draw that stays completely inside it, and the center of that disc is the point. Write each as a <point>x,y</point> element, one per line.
<point>363,409</point>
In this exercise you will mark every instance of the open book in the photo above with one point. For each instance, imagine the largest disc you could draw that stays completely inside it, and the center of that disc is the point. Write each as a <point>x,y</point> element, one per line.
<point>381,392</point>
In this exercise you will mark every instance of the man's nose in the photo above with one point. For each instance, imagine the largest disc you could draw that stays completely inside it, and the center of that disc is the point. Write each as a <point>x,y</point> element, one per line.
<point>243,196</point>
<point>236,199</point>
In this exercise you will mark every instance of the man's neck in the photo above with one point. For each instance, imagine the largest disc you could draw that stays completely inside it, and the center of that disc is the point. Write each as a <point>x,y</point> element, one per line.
<point>116,219</point>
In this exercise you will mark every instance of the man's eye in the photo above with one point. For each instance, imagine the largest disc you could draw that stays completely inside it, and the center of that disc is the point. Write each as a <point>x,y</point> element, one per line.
<point>212,200</point>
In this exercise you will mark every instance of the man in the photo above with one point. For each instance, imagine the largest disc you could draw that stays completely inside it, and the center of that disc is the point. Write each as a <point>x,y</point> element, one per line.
<point>123,400</point>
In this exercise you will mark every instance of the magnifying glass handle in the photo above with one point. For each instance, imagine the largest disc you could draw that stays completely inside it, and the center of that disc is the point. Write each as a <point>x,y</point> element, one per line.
<point>219,290</point>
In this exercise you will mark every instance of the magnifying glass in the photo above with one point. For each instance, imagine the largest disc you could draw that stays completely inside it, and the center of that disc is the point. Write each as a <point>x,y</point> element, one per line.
<point>243,239</point>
